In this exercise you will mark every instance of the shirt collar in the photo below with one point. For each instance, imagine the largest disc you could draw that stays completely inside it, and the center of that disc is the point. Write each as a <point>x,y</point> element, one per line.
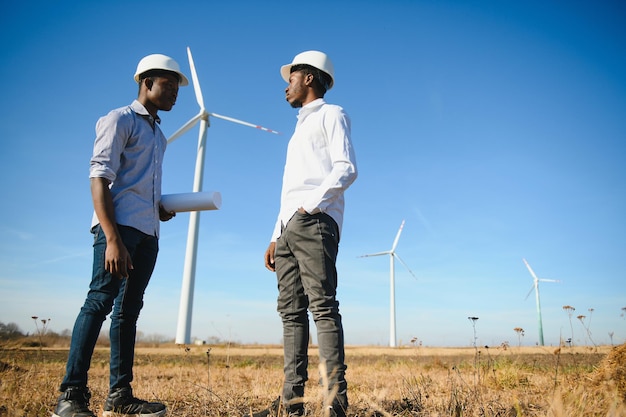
<point>310,108</point>
<point>140,109</point>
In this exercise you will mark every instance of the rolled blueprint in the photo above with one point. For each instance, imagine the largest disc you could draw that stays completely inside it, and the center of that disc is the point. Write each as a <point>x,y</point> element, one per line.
<point>198,201</point>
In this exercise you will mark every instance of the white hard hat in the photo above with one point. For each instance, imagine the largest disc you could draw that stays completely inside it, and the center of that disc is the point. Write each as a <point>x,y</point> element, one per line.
<point>315,59</point>
<point>160,62</point>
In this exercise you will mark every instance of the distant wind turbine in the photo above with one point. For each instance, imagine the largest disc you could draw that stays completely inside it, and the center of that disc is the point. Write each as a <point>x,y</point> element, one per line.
<point>183,331</point>
<point>536,288</point>
<point>392,300</point>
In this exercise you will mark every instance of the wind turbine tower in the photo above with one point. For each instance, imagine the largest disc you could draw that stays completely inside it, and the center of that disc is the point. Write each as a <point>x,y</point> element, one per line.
<point>536,288</point>
<point>392,292</point>
<point>183,332</point>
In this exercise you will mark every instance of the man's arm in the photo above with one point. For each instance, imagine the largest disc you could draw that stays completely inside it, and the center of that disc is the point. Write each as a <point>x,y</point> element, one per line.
<point>117,260</point>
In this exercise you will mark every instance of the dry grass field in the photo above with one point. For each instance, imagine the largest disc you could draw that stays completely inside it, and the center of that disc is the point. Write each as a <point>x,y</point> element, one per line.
<point>221,381</point>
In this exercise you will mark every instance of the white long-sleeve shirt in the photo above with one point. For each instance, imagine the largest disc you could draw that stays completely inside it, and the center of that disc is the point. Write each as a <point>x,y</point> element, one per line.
<point>320,164</point>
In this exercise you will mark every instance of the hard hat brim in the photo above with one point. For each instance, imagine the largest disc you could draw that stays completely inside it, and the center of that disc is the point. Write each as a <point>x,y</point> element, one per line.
<point>183,80</point>
<point>285,71</point>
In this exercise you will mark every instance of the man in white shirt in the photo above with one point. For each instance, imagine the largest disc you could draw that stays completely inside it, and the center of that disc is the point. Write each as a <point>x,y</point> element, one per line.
<point>320,166</point>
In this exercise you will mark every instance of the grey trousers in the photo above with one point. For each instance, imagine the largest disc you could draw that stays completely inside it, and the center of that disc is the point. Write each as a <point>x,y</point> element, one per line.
<point>305,258</point>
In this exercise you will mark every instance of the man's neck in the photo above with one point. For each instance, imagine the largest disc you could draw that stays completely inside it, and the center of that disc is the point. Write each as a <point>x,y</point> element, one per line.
<point>152,109</point>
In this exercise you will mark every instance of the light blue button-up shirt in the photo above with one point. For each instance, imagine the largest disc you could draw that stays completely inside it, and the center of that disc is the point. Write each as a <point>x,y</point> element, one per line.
<point>128,151</point>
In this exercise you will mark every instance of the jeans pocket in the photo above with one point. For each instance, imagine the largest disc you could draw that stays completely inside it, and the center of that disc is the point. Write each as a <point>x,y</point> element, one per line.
<point>95,231</point>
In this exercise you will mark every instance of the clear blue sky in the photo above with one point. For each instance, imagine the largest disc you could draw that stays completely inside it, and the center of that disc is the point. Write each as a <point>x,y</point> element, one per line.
<point>496,129</point>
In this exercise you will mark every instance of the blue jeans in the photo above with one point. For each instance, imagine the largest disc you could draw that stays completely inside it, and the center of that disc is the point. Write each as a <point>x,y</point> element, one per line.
<point>124,297</point>
<point>305,257</point>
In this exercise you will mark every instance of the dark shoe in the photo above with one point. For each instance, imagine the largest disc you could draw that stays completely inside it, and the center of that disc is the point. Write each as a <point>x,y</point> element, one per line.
<point>121,403</point>
<point>272,411</point>
<point>74,402</point>
<point>336,411</point>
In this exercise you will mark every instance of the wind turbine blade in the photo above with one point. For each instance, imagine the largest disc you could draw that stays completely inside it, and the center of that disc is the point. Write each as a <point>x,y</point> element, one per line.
<point>196,83</point>
<point>186,127</point>
<point>375,254</point>
<point>241,122</point>
<point>529,292</point>
<point>403,263</point>
<point>395,242</point>
<point>530,270</point>
<point>549,280</point>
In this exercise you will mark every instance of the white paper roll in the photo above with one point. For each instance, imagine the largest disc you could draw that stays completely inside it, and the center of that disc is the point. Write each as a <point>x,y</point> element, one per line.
<point>199,201</point>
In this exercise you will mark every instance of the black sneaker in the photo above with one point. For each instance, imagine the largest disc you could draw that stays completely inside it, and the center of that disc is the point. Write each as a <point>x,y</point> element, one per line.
<point>74,402</point>
<point>298,412</point>
<point>336,411</point>
<point>121,403</point>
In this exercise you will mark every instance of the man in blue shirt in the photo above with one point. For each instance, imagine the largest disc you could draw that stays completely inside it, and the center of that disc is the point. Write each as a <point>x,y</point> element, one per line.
<point>125,175</point>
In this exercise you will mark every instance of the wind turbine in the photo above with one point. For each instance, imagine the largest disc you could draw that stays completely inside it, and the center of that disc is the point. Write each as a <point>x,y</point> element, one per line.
<point>536,288</point>
<point>392,293</point>
<point>183,331</point>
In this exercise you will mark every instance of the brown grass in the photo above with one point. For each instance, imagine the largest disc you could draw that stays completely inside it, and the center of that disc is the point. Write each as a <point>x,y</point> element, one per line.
<point>416,381</point>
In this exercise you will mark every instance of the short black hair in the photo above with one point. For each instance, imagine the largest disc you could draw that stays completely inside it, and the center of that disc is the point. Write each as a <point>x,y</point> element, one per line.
<point>156,73</point>
<point>323,80</point>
